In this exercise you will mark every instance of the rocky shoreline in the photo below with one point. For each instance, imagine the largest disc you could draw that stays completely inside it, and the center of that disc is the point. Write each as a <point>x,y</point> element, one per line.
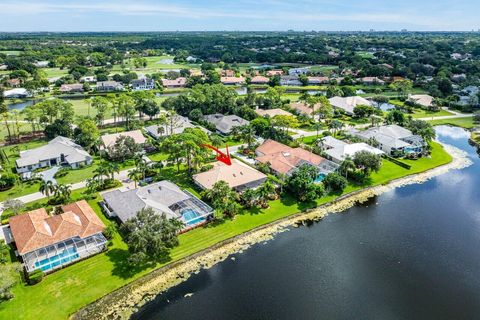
<point>125,301</point>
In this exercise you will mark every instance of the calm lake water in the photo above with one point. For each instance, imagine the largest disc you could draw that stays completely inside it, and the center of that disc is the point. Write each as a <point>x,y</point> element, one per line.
<point>411,253</point>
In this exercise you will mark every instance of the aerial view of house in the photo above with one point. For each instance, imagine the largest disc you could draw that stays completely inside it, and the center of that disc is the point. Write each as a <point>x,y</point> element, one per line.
<point>143,84</point>
<point>181,123</point>
<point>107,86</point>
<point>392,139</point>
<point>71,88</point>
<point>238,175</point>
<point>347,104</point>
<point>231,81</point>
<point>164,197</point>
<point>423,100</point>
<point>48,242</point>
<point>272,112</point>
<point>180,82</point>
<point>59,151</point>
<point>109,140</point>
<point>338,150</point>
<point>259,80</point>
<point>225,124</point>
<point>283,159</point>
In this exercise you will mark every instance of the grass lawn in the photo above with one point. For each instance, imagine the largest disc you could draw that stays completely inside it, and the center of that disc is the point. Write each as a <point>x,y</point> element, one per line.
<point>466,123</point>
<point>65,291</point>
<point>420,113</point>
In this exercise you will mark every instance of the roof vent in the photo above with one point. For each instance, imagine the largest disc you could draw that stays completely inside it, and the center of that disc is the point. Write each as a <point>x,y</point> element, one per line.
<point>47,227</point>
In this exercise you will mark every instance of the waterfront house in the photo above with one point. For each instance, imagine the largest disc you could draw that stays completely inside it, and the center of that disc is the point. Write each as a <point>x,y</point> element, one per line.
<point>16,93</point>
<point>259,80</point>
<point>180,82</point>
<point>348,104</point>
<point>163,197</point>
<point>238,176</point>
<point>318,80</point>
<point>283,159</point>
<point>225,124</point>
<point>337,150</point>
<point>109,86</point>
<point>290,81</point>
<point>232,81</point>
<point>89,79</point>
<point>71,88</point>
<point>48,242</point>
<point>59,151</point>
<point>143,84</point>
<point>391,139</point>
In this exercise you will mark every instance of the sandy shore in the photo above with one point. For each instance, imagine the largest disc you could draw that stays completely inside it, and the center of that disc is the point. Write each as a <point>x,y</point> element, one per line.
<point>125,301</point>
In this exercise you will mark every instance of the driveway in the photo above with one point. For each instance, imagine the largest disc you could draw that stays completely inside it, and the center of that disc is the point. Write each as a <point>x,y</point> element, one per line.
<point>48,175</point>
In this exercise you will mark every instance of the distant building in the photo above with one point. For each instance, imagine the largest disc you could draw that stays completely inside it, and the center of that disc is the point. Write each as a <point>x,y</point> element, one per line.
<point>423,100</point>
<point>143,84</point>
<point>348,104</point>
<point>16,93</point>
<point>108,86</point>
<point>318,80</point>
<point>109,140</point>
<point>41,64</point>
<point>71,88</point>
<point>271,73</point>
<point>232,80</point>
<point>225,124</point>
<point>372,81</point>
<point>89,79</point>
<point>259,80</point>
<point>14,83</point>
<point>228,73</point>
<point>290,81</point>
<point>181,123</point>
<point>272,112</point>
<point>298,71</point>
<point>176,83</point>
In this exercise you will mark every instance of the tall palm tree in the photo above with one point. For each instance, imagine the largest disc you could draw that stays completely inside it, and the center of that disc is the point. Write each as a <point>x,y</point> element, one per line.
<point>112,168</point>
<point>46,188</point>
<point>135,175</point>
<point>102,171</point>
<point>346,166</point>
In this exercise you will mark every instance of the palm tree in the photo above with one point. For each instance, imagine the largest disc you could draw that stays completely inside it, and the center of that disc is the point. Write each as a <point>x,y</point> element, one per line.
<point>264,193</point>
<point>134,175</point>
<point>103,170</point>
<point>113,168</point>
<point>65,191</point>
<point>141,166</point>
<point>335,125</point>
<point>346,166</point>
<point>46,188</point>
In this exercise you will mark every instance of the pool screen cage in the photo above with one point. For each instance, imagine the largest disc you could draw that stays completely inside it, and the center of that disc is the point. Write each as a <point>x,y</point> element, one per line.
<point>64,252</point>
<point>192,203</point>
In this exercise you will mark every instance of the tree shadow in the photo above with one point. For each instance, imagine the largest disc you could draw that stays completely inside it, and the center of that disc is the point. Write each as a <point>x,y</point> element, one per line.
<point>124,269</point>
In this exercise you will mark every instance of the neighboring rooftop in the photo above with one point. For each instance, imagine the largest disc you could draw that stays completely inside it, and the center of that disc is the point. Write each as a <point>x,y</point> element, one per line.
<point>424,100</point>
<point>237,175</point>
<point>225,124</point>
<point>348,103</point>
<point>109,140</point>
<point>36,229</point>
<point>272,112</point>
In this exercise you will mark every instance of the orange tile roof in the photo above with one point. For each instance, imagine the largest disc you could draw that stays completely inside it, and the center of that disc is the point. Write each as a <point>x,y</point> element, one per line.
<point>36,229</point>
<point>282,158</point>
<point>303,108</point>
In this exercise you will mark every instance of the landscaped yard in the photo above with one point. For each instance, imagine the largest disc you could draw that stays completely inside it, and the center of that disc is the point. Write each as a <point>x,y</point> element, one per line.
<point>466,123</point>
<point>65,291</point>
<point>421,113</point>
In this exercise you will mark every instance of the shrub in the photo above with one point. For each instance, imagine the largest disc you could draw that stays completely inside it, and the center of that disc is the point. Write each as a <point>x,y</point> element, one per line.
<point>335,182</point>
<point>61,173</point>
<point>7,181</point>
<point>35,277</point>
<point>109,231</point>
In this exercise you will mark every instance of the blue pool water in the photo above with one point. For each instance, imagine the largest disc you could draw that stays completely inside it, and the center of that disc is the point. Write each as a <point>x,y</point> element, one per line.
<point>62,258</point>
<point>320,178</point>
<point>192,217</point>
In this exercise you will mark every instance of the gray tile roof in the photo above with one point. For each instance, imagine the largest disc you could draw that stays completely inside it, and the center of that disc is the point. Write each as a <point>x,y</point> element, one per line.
<point>225,124</point>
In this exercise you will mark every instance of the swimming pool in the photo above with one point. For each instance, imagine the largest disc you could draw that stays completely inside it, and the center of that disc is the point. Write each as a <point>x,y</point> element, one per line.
<point>192,217</point>
<point>320,178</point>
<point>58,260</point>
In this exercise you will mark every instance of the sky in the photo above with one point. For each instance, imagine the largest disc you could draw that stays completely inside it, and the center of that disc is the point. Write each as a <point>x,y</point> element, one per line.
<point>244,15</point>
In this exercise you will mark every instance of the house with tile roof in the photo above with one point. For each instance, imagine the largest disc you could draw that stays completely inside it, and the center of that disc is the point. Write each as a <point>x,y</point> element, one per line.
<point>348,104</point>
<point>338,150</point>
<point>108,140</point>
<point>283,159</point>
<point>272,112</point>
<point>48,242</point>
<point>238,176</point>
<point>180,82</point>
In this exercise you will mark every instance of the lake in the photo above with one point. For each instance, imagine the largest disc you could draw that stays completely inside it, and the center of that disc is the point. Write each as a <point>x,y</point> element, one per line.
<point>411,253</point>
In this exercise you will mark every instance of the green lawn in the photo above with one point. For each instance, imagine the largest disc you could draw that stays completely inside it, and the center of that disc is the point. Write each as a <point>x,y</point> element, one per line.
<point>65,291</point>
<point>466,123</point>
<point>154,64</point>
<point>420,113</point>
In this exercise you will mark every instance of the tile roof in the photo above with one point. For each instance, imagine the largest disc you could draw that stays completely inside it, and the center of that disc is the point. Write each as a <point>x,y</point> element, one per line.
<point>272,112</point>
<point>179,82</point>
<point>225,124</point>
<point>110,139</point>
<point>282,158</point>
<point>348,103</point>
<point>36,229</point>
<point>236,175</point>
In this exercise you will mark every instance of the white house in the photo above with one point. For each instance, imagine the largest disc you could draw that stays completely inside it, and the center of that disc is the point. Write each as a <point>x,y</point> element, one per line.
<point>59,151</point>
<point>337,150</point>
<point>143,84</point>
<point>347,104</point>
